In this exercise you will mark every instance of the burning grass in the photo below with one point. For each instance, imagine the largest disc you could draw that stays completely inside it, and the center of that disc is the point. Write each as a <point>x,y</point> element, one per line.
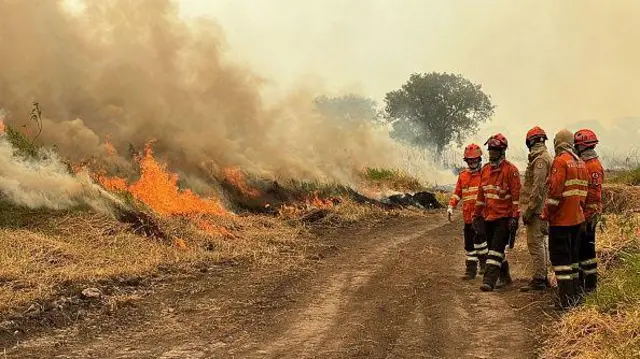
<point>608,325</point>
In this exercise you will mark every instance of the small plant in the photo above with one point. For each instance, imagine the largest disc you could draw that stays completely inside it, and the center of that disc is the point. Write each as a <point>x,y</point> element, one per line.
<point>22,145</point>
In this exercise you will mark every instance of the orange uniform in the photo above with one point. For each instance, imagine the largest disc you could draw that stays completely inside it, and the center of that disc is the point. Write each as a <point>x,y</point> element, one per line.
<point>499,192</point>
<point>467,192</point>
<point>594,191</point>
<point>567,191</point>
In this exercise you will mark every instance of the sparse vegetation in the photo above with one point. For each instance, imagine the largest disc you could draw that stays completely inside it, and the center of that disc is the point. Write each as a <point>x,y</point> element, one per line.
<point>391,179</point>
<point>607,325</point>
<point>630,178</point>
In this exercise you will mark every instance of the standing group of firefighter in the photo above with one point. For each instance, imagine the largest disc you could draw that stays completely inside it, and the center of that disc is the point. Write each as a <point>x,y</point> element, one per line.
<point>563,203</point>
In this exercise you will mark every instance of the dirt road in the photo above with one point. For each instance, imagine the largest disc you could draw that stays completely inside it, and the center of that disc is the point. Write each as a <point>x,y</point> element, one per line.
<point>393,291</point>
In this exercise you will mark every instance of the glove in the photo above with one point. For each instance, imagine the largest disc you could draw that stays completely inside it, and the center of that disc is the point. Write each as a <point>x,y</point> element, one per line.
<point>478,225</point>
<point>514,224</point>
<point>544,228</point>
<point>449,213</point>
<point>592,223</point>
<point>527,217</point>
<point>513,231</point>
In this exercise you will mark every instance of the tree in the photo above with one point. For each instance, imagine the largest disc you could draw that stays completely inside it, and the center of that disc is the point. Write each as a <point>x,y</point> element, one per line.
<point>348,107</point>
<point>436,109</point>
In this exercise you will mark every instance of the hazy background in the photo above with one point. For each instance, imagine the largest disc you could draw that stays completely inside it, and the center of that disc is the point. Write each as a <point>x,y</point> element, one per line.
<point>554,63</point>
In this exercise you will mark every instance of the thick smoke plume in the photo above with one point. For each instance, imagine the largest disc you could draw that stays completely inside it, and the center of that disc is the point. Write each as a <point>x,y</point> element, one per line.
<point>131,71</point>
<point>48,184</point>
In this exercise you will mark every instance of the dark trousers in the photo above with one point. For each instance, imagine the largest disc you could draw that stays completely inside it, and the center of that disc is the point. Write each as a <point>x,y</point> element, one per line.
<point>588,261</point>
<point>563,251</point>
<point>497,233</point>
<point>475,247</point>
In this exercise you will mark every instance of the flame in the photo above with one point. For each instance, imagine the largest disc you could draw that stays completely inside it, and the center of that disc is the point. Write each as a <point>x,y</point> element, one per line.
<point>214,229</point>
<point>158,189</point>
<point>317,202</point>
<point>2,127</point>
<point>111,150</point>
<point>113,183</point>
<point>237,178</point>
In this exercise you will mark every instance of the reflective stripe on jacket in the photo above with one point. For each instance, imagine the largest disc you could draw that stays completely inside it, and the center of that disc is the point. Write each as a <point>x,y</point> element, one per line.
<point>499,192</point>
<point>467,192</point>
<point>565,203</point>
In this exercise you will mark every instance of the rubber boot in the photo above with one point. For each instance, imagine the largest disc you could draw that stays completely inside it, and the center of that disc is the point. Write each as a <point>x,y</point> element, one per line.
<point>579,294</point>
<point>590,282</point>
<point>490,278</point>
<point>505,276</point>
<point>471,270</point>
<point>566,294</point>
<point>483,264</point>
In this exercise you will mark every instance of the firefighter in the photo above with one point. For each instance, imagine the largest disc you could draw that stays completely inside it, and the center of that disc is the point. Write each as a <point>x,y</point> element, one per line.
<point>585,142</point>
<point>564,209</point>
<point>497,210</point>
<point>467,191</point>
<point>536,184</point>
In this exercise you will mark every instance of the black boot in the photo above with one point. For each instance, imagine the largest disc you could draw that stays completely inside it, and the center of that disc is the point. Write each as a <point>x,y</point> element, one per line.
<point>535,284</point>
<point>471,270</point>
<point>566,294</point>
<point>505,276</point>
<point>483,264</point>
<point>590,282</point>
<point>490,278</point>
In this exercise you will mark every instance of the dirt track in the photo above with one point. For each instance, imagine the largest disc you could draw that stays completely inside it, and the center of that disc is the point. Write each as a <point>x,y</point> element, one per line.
<point>388,292</point>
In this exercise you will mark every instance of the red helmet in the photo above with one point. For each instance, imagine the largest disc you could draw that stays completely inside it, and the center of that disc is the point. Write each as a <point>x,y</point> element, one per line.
<point>536,132</point>
<point>497,141</point>
<point>585,137</point>
<point>472,151</point>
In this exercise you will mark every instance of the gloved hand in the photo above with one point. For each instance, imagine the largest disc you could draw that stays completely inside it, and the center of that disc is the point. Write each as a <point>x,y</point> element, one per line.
<point>592,223</point>
<point>514,223</point>
<point>449,213</point>
<point>527,217</point>
<point>478,225</point>
<point>544,228</point>
<point>513,231</point>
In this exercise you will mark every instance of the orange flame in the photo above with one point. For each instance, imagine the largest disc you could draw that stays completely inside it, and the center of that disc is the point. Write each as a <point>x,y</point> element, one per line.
<point>2,127</point>
<point>237,178</point>
<point>318,202</point>
<point>158,189</point>
<point>214,229</point>
<point>111,150</point>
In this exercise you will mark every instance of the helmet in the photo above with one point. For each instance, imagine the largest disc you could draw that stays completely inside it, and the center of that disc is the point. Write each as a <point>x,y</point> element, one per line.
<point>534,134</point>
<point>585,137</point>
<point>563,137</point>
<point>472,151</point>
<point>497,141</point>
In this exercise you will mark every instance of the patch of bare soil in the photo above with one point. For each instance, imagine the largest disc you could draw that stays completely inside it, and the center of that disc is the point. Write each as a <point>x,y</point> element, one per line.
<point>391,291</point>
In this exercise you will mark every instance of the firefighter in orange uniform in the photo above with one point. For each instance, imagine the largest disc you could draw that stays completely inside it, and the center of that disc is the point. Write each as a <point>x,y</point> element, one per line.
<point>585,142</point>
<point>497,210</point>
<point>466,191</point>
<point>564,209</point>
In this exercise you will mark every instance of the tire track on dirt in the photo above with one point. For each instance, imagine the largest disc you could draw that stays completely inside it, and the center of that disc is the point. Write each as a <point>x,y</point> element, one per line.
<point>390,292</point>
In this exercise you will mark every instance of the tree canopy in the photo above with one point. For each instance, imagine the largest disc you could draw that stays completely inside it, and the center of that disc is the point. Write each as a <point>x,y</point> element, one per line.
<point>436,109</point>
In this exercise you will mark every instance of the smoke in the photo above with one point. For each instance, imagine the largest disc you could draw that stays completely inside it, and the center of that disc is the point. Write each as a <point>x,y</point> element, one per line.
<point>47,183</point>
<point>129,72</point>
<point>548,63</point>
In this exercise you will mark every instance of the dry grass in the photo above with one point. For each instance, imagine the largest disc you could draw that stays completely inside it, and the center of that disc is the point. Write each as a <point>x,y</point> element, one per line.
<point>608,325</point>
<point>620,198</point>
<point>55,252</point>
<point>44,253</point>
